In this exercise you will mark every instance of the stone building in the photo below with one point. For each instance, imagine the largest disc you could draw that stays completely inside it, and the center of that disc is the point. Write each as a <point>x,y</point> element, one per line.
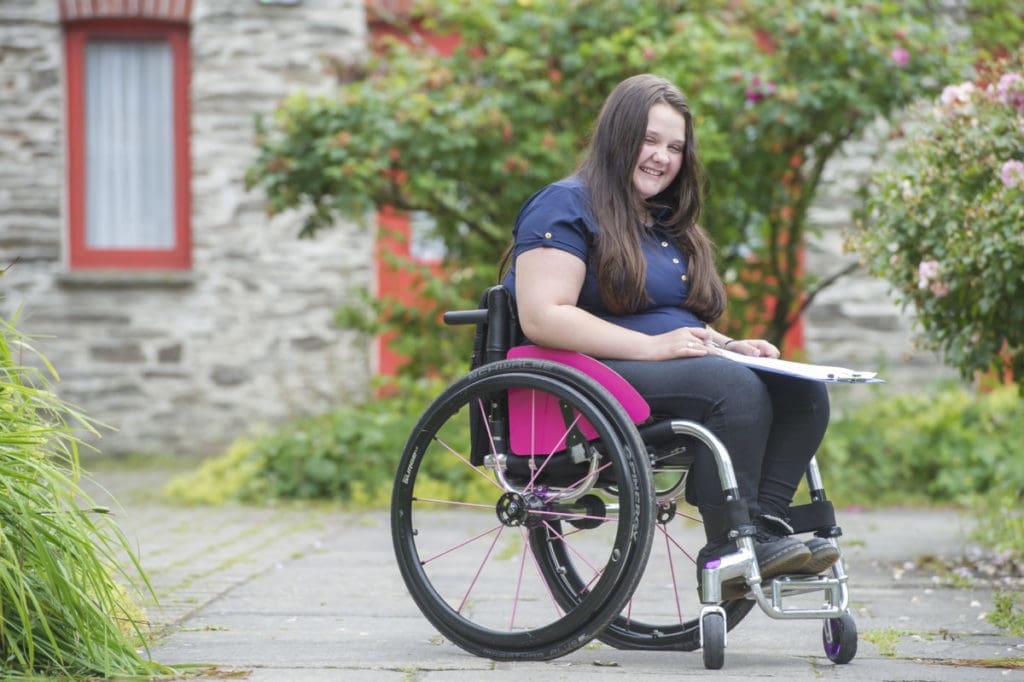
<point>228,321</point>
<point>213,318</point>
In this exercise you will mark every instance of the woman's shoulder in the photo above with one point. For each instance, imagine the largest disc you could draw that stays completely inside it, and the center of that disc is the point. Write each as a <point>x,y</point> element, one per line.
<point>567,192</point>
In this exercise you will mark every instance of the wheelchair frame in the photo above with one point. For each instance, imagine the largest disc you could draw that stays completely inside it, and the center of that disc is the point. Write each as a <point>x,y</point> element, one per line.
<point>605,599</point>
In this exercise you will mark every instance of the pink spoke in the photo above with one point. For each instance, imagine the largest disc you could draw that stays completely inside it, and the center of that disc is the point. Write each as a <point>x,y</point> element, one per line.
<point>453,503</point>
<point>680,547</point>
<point>558,446</point>
<point>672,570</point>
<point>479,570</point>
<point>579,482</point>
<point>519,580</point>
<point>572,548</point>
<point>536,566</point>
<point>465,461</point>
<point>688,517</point>
<point>462,544</point>
<point>533,430</point>
<point>573,516</point>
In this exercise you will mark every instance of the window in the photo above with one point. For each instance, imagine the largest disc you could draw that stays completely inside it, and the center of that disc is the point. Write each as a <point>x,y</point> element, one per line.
<point>129,203</point>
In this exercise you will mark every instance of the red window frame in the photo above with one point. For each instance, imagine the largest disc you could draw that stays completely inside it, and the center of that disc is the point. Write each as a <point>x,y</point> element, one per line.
<point>80,255</point>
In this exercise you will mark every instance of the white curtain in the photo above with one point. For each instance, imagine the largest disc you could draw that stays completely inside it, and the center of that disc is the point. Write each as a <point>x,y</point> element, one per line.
<point>129,143</point>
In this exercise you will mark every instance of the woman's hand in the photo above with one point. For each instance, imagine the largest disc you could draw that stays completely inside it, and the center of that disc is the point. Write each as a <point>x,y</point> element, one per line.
<point>753,347</point>
<point>685,342</point>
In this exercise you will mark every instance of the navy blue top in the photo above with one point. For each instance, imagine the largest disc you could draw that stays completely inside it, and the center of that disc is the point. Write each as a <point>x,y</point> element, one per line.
<point>558,217</point>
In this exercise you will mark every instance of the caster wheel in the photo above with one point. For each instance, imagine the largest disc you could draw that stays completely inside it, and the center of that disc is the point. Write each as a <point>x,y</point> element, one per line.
<point>713,640</point>
<point>839,635</point>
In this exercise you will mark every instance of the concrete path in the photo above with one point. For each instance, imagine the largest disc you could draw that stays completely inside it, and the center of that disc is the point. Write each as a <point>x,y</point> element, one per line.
<point>280,595</point>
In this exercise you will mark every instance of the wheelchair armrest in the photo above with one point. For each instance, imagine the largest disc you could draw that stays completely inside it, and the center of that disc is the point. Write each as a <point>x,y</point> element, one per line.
<point>454,317</point>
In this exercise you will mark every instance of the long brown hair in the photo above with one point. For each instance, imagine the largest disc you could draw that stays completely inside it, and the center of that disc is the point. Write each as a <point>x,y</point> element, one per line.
<point>607,171</point>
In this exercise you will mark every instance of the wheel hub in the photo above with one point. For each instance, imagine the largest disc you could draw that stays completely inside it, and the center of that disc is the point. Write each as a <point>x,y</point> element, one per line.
<point>666,512</point>
<point>515,509</point>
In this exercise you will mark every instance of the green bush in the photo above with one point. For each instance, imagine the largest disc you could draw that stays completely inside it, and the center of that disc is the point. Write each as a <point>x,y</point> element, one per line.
<point>948,445</point>
<point>1001,519</point>
<point>349,455</point>
<point>63,612</point>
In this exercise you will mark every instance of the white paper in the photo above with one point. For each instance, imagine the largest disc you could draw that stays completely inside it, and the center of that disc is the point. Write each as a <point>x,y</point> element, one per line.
<point>826,373</point>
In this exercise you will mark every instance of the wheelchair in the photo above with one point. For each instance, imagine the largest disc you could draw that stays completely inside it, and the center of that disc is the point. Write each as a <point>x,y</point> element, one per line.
<point>538,505</point>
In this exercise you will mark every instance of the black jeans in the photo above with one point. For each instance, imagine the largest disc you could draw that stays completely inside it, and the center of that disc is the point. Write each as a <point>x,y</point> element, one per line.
<point>771,424</point>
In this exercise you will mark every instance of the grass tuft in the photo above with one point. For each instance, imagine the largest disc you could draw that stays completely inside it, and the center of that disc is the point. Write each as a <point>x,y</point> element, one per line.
<point>63,605</point>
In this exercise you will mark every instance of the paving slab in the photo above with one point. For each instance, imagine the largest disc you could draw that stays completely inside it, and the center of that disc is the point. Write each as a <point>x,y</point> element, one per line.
<point>315,594</point>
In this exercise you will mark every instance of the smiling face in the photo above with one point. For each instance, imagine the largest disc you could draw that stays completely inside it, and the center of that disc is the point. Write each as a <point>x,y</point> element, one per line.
<point>661,155</point>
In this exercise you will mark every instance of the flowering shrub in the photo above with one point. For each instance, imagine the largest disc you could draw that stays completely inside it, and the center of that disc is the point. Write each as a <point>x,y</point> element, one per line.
<point>945,224</point>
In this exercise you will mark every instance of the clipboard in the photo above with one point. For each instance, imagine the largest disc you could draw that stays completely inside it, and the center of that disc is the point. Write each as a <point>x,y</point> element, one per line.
<point>824,373</point>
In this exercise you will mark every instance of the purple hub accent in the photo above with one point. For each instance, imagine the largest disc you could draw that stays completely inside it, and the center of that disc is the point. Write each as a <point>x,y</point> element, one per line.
<point>835,630</point>
<point>714,563</point>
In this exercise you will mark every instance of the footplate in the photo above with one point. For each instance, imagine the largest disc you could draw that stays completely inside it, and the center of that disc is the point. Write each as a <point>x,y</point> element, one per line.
<point>772,594</point>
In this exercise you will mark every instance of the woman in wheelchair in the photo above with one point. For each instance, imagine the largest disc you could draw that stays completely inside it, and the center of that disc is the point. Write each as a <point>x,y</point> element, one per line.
<point>612,262</point>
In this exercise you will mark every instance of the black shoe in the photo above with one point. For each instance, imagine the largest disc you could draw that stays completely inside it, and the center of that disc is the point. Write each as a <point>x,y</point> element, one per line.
<point>823,555</point>
<point>776,552</point>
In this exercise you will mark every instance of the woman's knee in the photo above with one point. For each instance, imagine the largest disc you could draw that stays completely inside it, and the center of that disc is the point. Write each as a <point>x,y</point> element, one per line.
<point>799,398</point>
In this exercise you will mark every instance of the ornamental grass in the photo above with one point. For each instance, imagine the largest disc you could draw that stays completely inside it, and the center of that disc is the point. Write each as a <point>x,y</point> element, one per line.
<point>63,564</point>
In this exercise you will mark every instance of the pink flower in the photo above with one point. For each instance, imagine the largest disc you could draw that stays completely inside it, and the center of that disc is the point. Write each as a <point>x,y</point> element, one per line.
<point>927,271</point>
<point>649,53</point>
<point>1012,173</point>
<point>758,89</point>
<point>1010,90</point>
<point>928,278</point>
<point>957,95</point>
<point>900,56</point>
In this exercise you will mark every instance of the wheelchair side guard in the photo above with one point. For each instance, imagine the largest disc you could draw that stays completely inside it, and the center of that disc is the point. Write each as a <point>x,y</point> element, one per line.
<point>634,403</point>
<point>537,424</point>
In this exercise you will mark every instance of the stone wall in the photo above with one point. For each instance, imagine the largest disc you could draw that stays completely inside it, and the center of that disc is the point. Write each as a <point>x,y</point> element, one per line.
<point>181,363</point>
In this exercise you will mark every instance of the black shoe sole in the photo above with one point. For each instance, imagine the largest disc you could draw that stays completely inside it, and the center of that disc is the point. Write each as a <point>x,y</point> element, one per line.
<point>822,558</point>
<point>787,560</point>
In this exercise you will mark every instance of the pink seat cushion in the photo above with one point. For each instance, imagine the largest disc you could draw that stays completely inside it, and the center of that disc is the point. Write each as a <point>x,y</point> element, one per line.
<point>536,423</point>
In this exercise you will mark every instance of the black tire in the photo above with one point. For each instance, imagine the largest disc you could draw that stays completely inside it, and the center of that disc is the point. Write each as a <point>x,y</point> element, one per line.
<point>663,613</point>
<point>448,518</point>
<point>713,646</point>
<point>839,637</point>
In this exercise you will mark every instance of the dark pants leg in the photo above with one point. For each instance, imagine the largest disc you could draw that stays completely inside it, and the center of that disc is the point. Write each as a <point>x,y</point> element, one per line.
<point>771,424</point>
<point>800,411</point>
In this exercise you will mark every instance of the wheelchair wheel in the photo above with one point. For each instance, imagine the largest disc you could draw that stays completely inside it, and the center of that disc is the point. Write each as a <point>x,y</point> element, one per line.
<point>713,644</point>
<point>839,637</point>
<point>663,613</point>
<point>467,537</point>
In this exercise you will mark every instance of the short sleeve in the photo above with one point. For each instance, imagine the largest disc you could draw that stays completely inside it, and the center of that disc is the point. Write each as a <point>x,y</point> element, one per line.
<point>555,217</point>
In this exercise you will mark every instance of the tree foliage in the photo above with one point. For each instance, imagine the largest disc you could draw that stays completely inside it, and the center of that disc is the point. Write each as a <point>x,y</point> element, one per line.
<point>777,87</point>
<point>945,222</point>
